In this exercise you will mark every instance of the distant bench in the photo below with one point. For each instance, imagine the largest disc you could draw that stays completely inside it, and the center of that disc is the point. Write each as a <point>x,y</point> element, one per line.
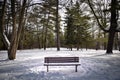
<point>61,61</point>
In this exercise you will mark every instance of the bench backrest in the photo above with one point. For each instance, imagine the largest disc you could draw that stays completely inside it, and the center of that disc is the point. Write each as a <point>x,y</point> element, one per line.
<point>61,59</point>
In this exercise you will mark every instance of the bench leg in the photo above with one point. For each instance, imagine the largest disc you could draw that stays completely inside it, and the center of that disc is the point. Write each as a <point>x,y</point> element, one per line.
<point>47,69</point>
<point>76,68</point>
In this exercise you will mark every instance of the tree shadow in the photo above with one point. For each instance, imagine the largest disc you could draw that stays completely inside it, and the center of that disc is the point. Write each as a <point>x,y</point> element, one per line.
<point>103,54</point>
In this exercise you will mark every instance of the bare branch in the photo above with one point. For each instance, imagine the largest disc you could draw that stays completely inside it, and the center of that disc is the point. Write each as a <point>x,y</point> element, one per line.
<point>97,17</point>
<point>2,20</point>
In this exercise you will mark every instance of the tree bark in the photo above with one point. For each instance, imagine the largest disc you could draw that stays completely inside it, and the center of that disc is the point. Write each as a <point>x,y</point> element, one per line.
<point>110,43</point>
<point>12,49</point>
<point>46,32</point>
<point>57,27</point>
<point>16,32</point>
<point>43,32</point>
<point>113,26</point>
<point>116,42</point>
<point>78,47</point>
<point>71,47</point>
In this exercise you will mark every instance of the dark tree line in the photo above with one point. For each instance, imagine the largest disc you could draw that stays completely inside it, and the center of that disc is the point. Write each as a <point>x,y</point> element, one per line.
<point>25,24</point>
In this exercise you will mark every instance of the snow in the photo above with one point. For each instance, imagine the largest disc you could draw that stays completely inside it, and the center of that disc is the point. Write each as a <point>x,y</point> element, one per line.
<point>29,65</point>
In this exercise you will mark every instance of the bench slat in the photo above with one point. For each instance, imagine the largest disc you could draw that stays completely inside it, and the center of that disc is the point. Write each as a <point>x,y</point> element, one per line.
<point>61,64</point>
<point>61,59</point>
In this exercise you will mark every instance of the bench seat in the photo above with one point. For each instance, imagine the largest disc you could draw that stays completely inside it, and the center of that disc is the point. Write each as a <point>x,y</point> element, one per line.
<point>61,64</point>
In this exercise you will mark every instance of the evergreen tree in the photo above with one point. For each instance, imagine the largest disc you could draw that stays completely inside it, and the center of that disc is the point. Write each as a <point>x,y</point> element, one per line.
<point>69,35</point>
<point>77,26</point>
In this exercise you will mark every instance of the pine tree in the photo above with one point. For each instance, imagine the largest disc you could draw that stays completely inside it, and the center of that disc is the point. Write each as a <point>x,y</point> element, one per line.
<point>77,26</point>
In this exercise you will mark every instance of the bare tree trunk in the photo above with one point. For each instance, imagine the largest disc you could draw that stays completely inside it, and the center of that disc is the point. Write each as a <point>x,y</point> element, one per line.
<point>45,38</point>
<point>38,38</point>
<point>46,31</point>
<point>43,33</point>
<point>16,33</point>
<point>71,47</point>
<point>113,25</point>
<point>39,44</point>
<point>2,20</point>
<point>110,43</point>
<point>78,47</point>
<point>119,44</point>
<point>12,49</point>
<point>42,42</point>
<point>104,43</point>
<point>57,27</point>
<point>21,42</point>
<point>86,47</point>
<point>116,42</point>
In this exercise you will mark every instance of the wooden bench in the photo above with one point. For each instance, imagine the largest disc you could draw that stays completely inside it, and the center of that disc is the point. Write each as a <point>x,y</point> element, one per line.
<point>61,61</point>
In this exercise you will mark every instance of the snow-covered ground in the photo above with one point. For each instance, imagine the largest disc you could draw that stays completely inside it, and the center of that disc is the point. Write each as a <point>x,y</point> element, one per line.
<point>95,65</point>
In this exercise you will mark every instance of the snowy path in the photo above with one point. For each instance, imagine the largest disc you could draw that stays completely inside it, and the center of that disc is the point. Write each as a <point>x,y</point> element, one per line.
<point>95,65</point>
